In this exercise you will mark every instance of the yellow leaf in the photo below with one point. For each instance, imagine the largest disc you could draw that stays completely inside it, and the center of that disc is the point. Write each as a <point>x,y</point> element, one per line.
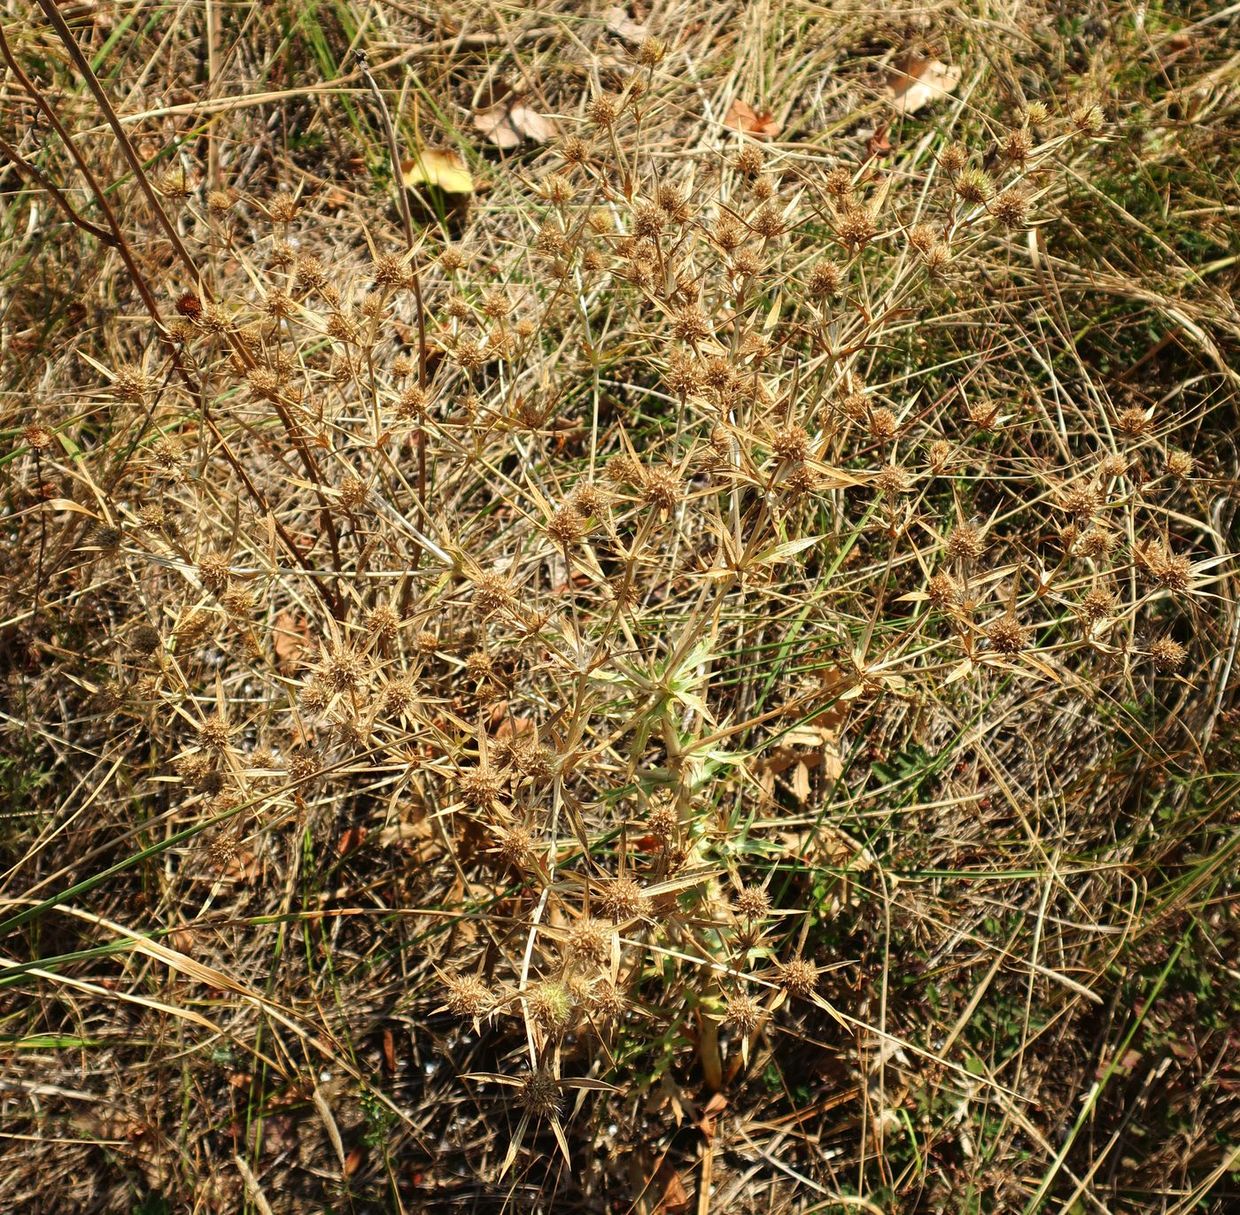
<point>439,167</point>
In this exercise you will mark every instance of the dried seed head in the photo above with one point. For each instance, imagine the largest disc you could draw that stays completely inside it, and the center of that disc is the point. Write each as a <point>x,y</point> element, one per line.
<point>690,323</point>
<point>606,1000</point>
<point>282,208</point>
<point>893,481</point>
<point>383,622</point>
<point>540,1094</point>
<point>411,404</point>
<point>954,158</point>
<point>936,260</point>
<point>310,273</point>
<point>749,161</point>
<point>515,847</point>
<point>742,1013</point>
<point>624,469</point>
<point>1134,422</point>
<point>651,52</point>
<point>798,977</point>
<point>145,639</point>
<point>398,696</point>
<point>214,572</point>
<point>649,220</point>
<point>223,848</point>
<point>492,592</point>
<point>938,454</point>
<point>825,279</point>
<point>838,183</point>
<point>131,384</point>
<point>1011,208</point>
<point>1167,654</point>
<point>220,202</point>
<point>883,424</point>
<point>674,202</point>
<point>1081,499</point>
<point>589,499</point>
<point>791,444</point>
<point>965,543</point>
<point>603,109</point>
<point>1097,605</point>
<point>1089,119</point>
<point>855,228</point>
<point>1016,146</point>
<point>1172,570</point>
<point>214,733</point>
<point>621,899</point>
<point>480,667</point>
<point>767,222</point>
<point>237,601</point>
<point>753,902</point>
<point>557,189</point>
<point>37,438</point>
<point>173,184</point>
<point>467,996</point>
<point>661,488</point>
<point>923,238</point>
<point>589,942</point>
<point>535,761</point>
<point>1179,465</point>
<point>567,526</point>
<point>1098,542</point>
<point>728,234</point>
<point>1008,636</point>
<point>943,591</point>
<point>574,150</point>
<point>663,822</point>
<point>1114,465</point>
<point>479,788</point>
<point>343,668</point>
<point>1035,114</point>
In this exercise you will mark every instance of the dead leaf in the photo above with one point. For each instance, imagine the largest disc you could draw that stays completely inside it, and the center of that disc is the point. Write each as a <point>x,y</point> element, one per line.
<point>915,81</point>
<point>623,26</point>
<point>761,124</point>
<point>443,168</point>
<point>672,1193</point>
<point>511,120</point>
<point>290,636</point>
<point>709,1117</point>
<point>351,840</point>
<point>878,144</point>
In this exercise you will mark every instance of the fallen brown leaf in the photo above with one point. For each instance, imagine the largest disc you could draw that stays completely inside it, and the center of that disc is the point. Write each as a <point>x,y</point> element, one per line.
<point>290,636</point>
<point>761,124</point>
<point>623,26</point>
<point>511,120</point>
<point>915,81</point>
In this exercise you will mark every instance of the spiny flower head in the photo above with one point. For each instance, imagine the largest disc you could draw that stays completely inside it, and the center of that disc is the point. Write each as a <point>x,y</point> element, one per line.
<point>798,977</point>
<point>467,996</point>
<point>753,902</point>
<point>551,1005</point>
<point>742,1013</point>
<point>1008,636</point>
<point>965,543</point>
<point>621,899</point>
<point>540,1093</point>
<point>1167,654</point>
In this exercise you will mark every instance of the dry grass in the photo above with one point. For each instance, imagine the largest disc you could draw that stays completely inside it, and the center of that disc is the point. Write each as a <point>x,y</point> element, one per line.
<point>700,677</point>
